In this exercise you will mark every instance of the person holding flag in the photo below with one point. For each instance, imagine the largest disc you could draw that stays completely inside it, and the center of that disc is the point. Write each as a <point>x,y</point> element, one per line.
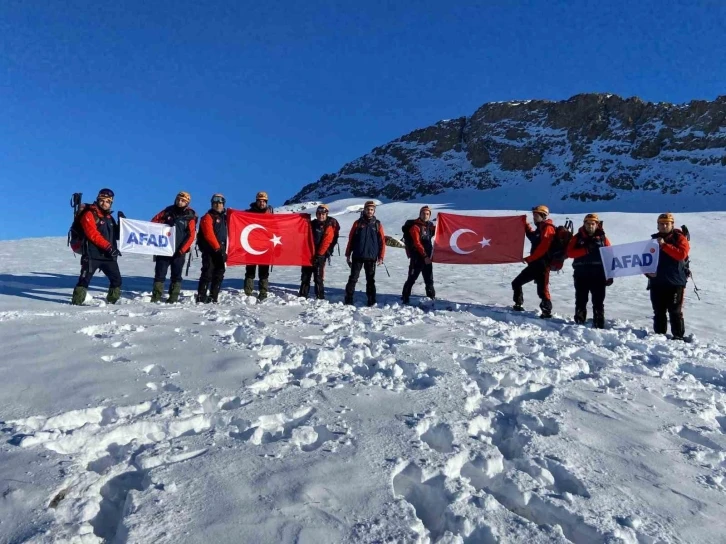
<point>260,205</point>
<point>584,248</point>
<point>668,283</point>
<point>366,248</point>
<point>99,250</point>
<point>184,220</point>
<point>421,235</point>
<point>323,234</point>
<point>538,269</point>
<point>212,243</point>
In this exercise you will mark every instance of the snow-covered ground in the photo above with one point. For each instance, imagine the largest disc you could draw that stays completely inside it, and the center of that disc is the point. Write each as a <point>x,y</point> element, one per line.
<point>298,421</point>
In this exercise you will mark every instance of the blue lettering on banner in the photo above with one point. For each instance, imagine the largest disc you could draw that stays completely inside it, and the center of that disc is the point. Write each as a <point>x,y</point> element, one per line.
<point>148,240</point>
<point>630,261</point>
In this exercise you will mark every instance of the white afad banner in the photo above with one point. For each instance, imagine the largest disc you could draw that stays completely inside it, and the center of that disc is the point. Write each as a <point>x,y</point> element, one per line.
<point>146,238</point>
<point>630,259</point>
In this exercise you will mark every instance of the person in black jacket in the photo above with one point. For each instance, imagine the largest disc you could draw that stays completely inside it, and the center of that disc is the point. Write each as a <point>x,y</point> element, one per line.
<point>212,242</point>
<point>668,284</point>
<point>100,251</point>
<point>260,205</point>
<point>184,220</point>
<point>366,248</point>
<point>584,248</point>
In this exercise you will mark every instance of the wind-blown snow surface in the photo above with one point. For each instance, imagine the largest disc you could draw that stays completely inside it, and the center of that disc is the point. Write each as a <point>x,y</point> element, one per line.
<point>297,421</point>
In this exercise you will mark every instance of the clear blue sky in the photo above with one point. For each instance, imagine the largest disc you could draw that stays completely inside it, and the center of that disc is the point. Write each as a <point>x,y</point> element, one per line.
<point>155,96</point>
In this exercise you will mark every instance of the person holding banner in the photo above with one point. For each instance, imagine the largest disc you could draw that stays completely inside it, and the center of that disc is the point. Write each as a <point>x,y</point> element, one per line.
<point>589,274</point>
<point>668,283</point>
<point>212,243</point>
<point>366,248</point>
<point>99,251</point>
<point>260,205</point>
<point>538,268</point>
<point>184,221</point>
<point>421,235</point>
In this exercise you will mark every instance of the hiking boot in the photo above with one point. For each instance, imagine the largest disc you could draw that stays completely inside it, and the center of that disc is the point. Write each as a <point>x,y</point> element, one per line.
<point>174,292</point>
<point>545,315</point>
<point>202,298</point>
<point>214,292</point>
<point>304,291</point>
<point>405,300</point>
<point>348,301</point>
<point>371,301</point>
<point>263,289</point>
<point>581,316</point>
<point>79,296</point>
<point>114,293</point>
<point>518,308</point>
<point>249,286</point>
<point>157,291</point>
<point>598,321</point>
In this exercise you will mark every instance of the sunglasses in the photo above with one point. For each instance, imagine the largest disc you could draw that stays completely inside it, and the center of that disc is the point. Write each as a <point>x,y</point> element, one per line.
<point>103,199</point>
<point>324,212</point>
<point>218,200</point>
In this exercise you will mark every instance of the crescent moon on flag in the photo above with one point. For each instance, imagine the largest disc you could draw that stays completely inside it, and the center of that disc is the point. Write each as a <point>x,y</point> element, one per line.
<point>245,239</point>
<point>455,239</point>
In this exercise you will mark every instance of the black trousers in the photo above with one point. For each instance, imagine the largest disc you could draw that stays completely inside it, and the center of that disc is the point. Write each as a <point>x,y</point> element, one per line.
<point>416,267</point>
<point>317,274</point>
<point>538,272</point>
<point>162,267</point>
<point>355,268</point>
<point>89,267</point>
<point>250,270</point>
<point>586,285</point>
<point>212,272</point>
<point>667,301</point>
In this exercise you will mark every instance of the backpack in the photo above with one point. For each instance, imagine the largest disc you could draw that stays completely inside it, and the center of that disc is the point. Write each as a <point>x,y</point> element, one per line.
<point>76,236</point>
<point>332,222</point>
<point>407,240</point>
<point>558,248</point>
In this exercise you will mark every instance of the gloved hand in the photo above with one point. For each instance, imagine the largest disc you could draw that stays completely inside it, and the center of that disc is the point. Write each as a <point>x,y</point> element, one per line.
<point>319,260</point>
<point>121,215</point>
<point>609,282</point>
<point>347,260</point>
<point>113,252</point>
<point>177,253</point>
<point>224,257</point>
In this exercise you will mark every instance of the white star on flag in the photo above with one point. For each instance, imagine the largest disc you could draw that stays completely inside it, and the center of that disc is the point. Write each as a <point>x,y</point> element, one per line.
<point>276,240</point>
<point>484,242</point>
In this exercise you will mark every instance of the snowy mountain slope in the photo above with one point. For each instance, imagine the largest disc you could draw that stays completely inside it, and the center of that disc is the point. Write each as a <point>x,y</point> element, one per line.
<point>620,154</point>
<point>296,421</point>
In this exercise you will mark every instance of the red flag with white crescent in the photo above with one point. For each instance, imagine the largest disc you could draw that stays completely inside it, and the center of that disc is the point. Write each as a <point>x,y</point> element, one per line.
<point>467,239</point>
<point>271,239</point>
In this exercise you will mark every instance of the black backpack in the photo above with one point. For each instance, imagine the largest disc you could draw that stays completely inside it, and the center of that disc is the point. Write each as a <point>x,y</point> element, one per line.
<point>557,253</point>
<point>407,240</point>
<point>332,222</point>
<point>687,262</point>
<point>76,236</point>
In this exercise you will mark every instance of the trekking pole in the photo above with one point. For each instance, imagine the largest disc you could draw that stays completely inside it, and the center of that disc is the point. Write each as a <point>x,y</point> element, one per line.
<point>384,266</point>
<point>695,287</point>
<point>189,262</point>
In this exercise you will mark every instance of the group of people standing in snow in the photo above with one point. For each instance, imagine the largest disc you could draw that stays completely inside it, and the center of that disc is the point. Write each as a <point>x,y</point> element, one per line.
<point>365,251</point>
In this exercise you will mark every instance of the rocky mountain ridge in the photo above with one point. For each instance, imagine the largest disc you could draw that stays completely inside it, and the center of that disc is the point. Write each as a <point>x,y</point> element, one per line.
<point>593,148</point>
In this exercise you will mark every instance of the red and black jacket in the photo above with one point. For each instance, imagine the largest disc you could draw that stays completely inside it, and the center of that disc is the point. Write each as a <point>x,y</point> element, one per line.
<point>100,230</point>
<point>366,240</point>
<point>184,221</point>
<point>541,237</point>
<point>672,259</point>
<point>585,250</point>
<point>323,234</point>
<point>422,237</point>
<point>213,232</point>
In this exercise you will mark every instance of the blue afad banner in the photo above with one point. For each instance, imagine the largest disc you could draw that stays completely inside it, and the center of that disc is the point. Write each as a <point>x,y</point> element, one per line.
<point>146,238</point>
<point>632,259</point>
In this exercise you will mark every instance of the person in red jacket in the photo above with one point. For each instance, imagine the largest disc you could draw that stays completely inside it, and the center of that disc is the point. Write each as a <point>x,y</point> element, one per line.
<point>99,248</point>
<point>212,242</point>
<point>538,268</point>
<point>584,248</point>
<point>422,237</point>
<point>184,220</point>
<point>668,284</point>
<point>366,248</point>
<point>323,234</point>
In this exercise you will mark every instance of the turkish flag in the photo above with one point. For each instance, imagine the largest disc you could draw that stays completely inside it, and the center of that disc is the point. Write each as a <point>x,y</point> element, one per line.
<point>467,239</point>
<point>266,238</point>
